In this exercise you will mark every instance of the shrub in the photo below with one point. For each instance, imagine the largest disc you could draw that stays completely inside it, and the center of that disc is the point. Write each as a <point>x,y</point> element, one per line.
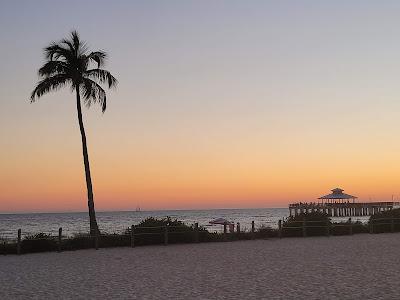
<point>359,227</point>
<point>152,230</point>
<point>114,240</point>
<point>340,228</point>
<point>381,221</point>
<point>78,241</point>
<point>343,228</point>
<point>40,242</point>
<point>7,247</point>
<point>265,232</point>
<point>315,224</point>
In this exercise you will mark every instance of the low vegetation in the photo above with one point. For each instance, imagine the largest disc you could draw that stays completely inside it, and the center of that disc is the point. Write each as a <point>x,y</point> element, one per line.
<point>148,232</point>
<point>343,228</point>
<point>386,221</point>
<point>153,231</point>
<point>316,224</point>
<point>40,242</point>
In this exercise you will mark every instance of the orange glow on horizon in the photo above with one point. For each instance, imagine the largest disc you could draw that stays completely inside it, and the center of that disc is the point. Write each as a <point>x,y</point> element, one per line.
<point>191,184</point>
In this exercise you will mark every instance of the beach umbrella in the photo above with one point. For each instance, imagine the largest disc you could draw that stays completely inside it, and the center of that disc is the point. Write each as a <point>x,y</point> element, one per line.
<point>220,221</point>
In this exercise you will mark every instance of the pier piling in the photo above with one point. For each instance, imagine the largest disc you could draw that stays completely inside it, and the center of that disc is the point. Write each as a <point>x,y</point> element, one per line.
<point>342,209</point>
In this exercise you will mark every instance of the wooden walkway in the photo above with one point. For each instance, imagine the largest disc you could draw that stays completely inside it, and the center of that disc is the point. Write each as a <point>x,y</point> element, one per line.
<point>342,209</point>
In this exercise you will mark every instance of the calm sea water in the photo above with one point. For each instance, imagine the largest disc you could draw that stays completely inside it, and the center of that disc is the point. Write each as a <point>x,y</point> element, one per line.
<point>116,222</point>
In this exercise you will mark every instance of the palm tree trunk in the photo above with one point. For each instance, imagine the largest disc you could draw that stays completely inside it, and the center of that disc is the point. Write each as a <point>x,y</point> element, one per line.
<point>94,229</point>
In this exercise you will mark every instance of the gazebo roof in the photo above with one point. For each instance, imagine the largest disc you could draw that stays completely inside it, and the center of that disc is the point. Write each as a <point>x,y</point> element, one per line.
<point>338,194</point>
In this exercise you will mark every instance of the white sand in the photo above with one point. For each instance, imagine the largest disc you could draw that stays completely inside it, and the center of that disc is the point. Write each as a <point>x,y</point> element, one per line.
<point>349,267</point>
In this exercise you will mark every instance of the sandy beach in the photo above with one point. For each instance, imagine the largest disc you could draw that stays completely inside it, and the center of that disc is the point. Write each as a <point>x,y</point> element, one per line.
<point>347,267</point>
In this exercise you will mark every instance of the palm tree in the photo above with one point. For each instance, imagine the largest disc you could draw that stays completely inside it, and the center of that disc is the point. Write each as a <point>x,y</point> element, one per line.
<point>68,63</point>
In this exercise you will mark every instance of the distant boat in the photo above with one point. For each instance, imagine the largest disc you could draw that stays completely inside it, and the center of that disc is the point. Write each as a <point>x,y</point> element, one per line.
<point>137,208</point>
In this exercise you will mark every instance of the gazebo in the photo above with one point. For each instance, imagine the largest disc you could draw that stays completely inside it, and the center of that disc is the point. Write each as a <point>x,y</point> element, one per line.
<point>337,196</point>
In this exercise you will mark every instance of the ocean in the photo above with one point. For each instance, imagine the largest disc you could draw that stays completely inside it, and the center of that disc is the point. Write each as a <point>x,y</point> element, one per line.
<point>118,221</point>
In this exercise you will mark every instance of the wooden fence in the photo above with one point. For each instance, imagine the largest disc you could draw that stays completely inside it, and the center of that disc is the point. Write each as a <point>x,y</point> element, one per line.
<point>134,233</point>
<point>374,226</point>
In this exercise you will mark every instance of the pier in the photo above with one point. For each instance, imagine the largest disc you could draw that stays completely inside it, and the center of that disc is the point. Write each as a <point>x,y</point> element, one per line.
<point>339,204</point>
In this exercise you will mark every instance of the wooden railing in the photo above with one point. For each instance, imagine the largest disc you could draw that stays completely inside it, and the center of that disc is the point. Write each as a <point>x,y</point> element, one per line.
<point>374,226</point>
<point>304,228</point>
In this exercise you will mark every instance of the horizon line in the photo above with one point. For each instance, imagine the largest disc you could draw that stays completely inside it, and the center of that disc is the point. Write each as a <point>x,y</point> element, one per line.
<point>131,210</point>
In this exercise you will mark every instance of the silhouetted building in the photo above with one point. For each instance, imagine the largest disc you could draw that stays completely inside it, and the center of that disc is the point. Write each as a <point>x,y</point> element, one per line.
<point>337,196</point>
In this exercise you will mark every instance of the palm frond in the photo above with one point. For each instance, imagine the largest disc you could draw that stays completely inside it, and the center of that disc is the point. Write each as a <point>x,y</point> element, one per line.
<point>69,44</point>
<point>103,76</point>
<point>67,63</point>
<point>49,84</point>
<point>98,57</point>
<point>56,51</point>
<point>75,39</point>
<point>92,93</point>
<point>53,67</point>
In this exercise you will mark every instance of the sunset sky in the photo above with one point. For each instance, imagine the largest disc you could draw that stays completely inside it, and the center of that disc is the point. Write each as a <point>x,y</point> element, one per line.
<point>220,104</point>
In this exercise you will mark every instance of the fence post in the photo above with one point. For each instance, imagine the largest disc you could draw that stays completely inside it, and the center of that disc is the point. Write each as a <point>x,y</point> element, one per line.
<point>166,235</point>
<point>224,237</point>
<point>280,229</point>
<point>304,228</point>
<point>132,236</point>
<point>392,225</point>
<point>19,242</point>
<point>371,226</point>
<point>59,238</point>
<point>196,232</point>
<point>328,230</point>
<point>252,230</point>
<point>350,227</point>
<point>96,241</point>
<point>238,227</point>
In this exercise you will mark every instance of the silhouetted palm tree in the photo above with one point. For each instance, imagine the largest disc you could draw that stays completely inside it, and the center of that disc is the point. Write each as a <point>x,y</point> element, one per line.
<point>68,64</point>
